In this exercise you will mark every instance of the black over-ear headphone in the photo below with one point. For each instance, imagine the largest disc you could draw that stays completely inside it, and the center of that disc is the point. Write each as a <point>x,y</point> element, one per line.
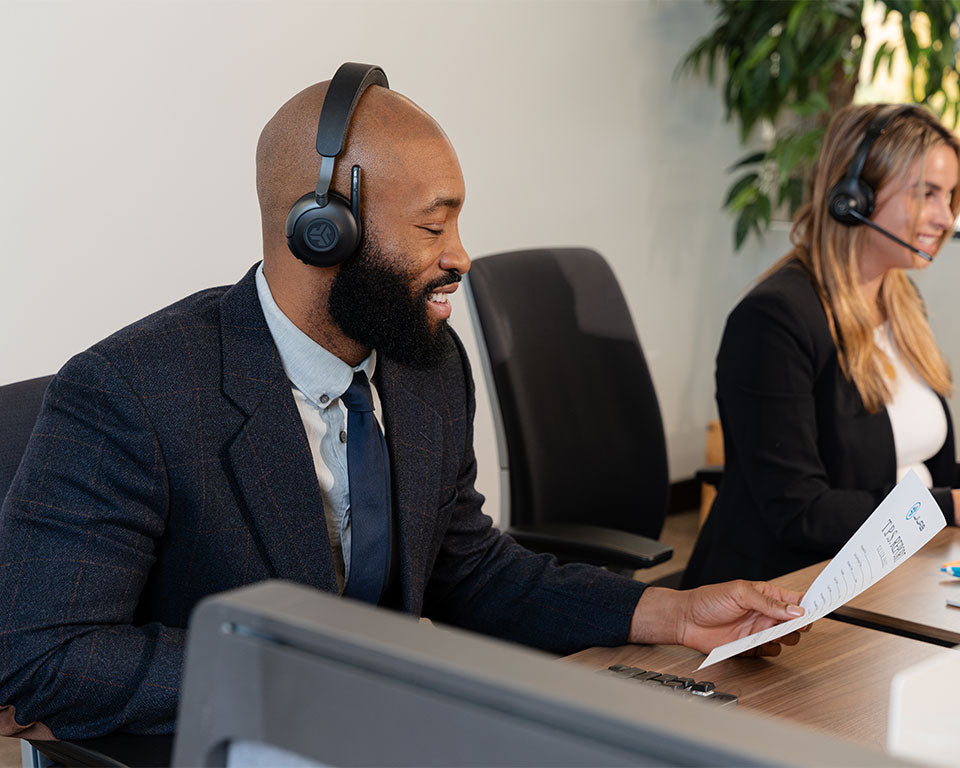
<point>323,228</point>
<point>851,200</point>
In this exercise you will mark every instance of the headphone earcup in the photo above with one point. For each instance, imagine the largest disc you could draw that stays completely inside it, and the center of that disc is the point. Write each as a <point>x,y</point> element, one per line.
<point>322,236</point>
<point>850,193</point>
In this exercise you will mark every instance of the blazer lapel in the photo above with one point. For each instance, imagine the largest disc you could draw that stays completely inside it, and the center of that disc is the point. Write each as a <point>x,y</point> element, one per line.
<point>270,458</point>
<point>414,434</point>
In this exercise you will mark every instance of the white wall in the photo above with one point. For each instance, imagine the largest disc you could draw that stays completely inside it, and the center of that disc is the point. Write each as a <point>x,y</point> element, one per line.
<point>129,129</point>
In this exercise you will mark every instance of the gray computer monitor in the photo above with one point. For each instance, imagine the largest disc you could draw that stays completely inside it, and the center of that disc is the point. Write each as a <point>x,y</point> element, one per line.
<point>316,679</point>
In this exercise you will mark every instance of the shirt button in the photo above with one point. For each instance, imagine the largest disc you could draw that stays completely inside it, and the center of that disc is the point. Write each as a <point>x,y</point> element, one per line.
<point>343,436</point>
<point>324,399</point>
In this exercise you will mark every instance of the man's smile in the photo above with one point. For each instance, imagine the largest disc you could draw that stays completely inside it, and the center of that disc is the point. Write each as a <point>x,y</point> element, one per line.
<point>438,301</point>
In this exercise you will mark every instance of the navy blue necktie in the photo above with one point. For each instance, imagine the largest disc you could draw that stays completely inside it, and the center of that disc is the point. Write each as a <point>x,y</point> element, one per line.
<point>368,471</point>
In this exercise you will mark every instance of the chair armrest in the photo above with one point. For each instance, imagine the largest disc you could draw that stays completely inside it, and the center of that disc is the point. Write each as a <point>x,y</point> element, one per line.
<point>710,475</point>
<point>592,544</point>
<point>68,753</point>
<point>118,750</point>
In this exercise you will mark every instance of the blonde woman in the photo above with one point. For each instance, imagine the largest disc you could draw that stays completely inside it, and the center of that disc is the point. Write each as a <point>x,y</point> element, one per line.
<point>830,384</point>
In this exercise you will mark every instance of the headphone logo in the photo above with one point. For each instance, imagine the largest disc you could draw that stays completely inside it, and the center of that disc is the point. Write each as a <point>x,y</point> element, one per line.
<point>321,235</point>
<point>840,206</point>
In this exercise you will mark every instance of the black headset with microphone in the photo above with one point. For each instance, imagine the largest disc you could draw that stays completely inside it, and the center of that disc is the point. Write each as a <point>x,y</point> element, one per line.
<point>323,228</point>
<point>851,201</point>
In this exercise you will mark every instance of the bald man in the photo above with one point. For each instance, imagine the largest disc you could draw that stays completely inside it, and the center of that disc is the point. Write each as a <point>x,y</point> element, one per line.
<point>204,448</point>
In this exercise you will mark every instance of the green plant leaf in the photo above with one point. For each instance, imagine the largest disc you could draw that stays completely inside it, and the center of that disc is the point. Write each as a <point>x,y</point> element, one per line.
<point>760,53</point>
<point>845,8</point>
<point>797,13</point>
<point>796,150</point>
<point>763,210</point>
<point>791,192</point>
<point>878,57</point>
<point>742,191</point>
<point>910,40</point>
<point>745,221</point>
<point>751,159</point>
<point>814,103</point>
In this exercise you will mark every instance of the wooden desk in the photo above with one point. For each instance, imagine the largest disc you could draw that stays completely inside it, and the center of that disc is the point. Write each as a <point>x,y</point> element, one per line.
<point>836,680</point>
<point>910,601</point>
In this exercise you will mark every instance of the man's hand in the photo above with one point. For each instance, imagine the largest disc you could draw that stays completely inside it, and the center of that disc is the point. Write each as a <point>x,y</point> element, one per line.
<point>709,616</point>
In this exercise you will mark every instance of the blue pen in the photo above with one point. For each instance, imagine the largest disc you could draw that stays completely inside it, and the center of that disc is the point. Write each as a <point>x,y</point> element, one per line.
<point>951,568</point>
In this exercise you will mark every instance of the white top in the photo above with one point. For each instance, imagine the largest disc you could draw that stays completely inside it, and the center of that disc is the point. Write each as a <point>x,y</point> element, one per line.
<point>918,420</point>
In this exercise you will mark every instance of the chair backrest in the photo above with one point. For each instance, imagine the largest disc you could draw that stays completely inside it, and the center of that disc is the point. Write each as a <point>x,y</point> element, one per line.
<point>580,416</point>
<point>19,408</point>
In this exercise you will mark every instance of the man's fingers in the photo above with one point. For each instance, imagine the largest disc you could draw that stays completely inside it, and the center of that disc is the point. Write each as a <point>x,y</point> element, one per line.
<point>766,599</point>
<point>788,596</point>
<point>770,649</point>
<point>792,639</point>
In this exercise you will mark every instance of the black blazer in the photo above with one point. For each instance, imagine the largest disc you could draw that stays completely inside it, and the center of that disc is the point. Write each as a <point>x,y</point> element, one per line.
<point>170,462</point>
<point>805,462</point>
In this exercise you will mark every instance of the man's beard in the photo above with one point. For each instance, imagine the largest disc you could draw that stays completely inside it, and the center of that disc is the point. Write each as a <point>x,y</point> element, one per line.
<point>376,305</point>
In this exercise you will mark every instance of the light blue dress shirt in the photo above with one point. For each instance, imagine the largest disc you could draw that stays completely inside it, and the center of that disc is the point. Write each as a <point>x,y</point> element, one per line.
<point>318,379</point>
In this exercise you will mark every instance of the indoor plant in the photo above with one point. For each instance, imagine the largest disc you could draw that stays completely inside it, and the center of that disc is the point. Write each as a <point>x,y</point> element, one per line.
<point>788,65</point>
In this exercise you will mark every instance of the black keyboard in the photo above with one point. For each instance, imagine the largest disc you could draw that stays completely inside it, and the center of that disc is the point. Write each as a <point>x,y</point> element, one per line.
<point>681,685</point>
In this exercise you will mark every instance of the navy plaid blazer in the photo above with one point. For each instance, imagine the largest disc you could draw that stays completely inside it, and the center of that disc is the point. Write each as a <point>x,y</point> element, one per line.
<point>170,463</point>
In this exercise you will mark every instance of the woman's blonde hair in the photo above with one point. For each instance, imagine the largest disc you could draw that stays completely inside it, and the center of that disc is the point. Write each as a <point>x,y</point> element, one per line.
<point>830,251</point>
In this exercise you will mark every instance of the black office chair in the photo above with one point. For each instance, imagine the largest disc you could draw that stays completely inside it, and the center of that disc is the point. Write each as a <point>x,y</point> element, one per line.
<point>580,438</point>
<point>19,407</point>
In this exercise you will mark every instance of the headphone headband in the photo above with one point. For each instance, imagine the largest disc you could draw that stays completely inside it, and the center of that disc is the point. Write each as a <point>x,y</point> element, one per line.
<point>876,128</point>
<point>345,90</point>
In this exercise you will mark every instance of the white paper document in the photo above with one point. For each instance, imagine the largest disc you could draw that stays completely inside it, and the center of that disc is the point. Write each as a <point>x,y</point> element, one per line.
<point>906,520</point>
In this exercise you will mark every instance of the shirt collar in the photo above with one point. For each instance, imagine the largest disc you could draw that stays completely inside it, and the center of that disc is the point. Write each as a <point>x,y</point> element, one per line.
<point>320,375</point>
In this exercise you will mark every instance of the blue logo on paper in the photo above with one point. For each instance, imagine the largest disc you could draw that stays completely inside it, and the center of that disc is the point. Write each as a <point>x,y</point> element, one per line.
<point>913,510</point>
